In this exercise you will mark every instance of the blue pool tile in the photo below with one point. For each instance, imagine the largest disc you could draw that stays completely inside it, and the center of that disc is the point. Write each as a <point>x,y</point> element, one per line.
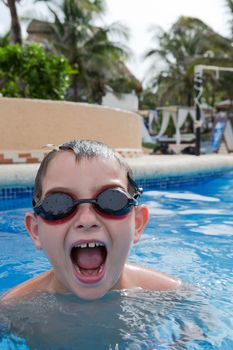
<point>164,182</point>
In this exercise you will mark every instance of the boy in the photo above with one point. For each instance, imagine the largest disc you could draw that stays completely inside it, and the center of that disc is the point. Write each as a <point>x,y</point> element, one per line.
<point>86,218</point>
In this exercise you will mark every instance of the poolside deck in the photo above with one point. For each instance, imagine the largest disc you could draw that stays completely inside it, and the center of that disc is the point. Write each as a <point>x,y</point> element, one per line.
<point>174,165</point>
<point>144,167</point>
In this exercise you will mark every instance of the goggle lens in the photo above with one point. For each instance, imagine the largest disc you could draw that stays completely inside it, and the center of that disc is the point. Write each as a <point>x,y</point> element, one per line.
<point>113,200</point>
<point>57,205</point>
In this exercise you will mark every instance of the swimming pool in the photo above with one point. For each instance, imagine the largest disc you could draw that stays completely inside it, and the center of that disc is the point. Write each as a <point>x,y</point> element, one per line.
<point>190,235</point>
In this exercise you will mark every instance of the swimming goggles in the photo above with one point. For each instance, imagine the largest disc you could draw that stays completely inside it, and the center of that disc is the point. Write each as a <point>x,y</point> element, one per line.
<point>111,203</point>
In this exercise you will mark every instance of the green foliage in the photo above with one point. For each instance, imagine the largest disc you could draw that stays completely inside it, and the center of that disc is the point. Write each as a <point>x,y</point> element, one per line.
<point>148,100</point>
<point>5,40</point>
<point>229,3</point>
<point>171,130</point>
<point>148,145</point>
<point>122,85</point>
<point>29,71</point>
<point>225,84</point>
<point>189,42</point>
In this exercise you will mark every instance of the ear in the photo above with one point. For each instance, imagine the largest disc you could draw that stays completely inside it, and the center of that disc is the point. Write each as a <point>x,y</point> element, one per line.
<point>31,224</point>
<point>141,219</point>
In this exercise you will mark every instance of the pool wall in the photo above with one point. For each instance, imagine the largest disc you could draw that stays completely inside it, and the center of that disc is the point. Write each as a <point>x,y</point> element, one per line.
<point>166,171</point>
<point>29,124</point>
<point>150,171</point>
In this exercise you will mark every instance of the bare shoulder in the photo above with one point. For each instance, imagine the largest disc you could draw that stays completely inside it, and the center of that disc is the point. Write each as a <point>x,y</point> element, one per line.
<point>138,276</point>
<point>38,283</point>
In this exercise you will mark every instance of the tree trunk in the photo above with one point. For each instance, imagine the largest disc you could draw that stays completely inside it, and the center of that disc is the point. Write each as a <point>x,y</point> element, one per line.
<point>190,99</point>
<point>75,88</point>
<point>15,25</point>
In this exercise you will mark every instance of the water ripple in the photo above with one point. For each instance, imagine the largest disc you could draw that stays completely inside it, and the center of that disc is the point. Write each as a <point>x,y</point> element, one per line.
<point>214,230</point>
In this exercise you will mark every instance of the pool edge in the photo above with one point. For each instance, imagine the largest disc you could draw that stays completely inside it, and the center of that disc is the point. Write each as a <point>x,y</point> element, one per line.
<point>148,170</point>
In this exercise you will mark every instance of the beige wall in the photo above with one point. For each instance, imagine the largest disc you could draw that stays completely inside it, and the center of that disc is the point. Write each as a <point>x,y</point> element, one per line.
<point>29,124</point>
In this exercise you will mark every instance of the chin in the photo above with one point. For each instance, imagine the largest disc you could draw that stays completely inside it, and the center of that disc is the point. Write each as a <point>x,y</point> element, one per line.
<point>88,294</point>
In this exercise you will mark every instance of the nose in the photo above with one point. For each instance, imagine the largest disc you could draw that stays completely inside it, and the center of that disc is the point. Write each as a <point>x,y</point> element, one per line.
<point>86,217</point>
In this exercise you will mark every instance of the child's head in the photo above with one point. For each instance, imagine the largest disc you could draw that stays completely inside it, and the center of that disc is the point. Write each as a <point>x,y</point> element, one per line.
<point>86,217</point>
<point>82,149</point>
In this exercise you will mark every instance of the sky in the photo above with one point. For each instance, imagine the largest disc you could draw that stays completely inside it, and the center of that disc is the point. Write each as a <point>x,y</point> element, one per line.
<point>139,16</point>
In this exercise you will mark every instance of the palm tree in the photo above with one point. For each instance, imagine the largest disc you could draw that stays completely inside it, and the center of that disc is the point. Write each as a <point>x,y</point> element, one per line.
<point>188,43</point>
<point>15,24</point>
<point>230,6</point>
<point>89,50</point>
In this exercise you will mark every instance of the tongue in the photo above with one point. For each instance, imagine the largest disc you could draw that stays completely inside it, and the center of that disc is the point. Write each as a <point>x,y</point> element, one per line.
<point>89,258</point>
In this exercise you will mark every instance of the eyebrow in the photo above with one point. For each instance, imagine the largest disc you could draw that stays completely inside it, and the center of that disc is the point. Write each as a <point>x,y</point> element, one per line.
<point>95,190</point>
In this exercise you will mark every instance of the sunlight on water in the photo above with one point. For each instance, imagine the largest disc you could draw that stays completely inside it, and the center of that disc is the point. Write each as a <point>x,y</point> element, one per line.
<point>215,230</point>
<point>204,212</point>
<point>131,319</point>
<point>185,196</point>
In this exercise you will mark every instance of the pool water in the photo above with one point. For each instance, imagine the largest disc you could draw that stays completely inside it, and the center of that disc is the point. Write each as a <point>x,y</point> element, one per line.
<point>190,235</point>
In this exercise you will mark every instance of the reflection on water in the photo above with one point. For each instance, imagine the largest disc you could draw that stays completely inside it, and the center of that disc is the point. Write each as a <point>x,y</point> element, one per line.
<point>130,319</point>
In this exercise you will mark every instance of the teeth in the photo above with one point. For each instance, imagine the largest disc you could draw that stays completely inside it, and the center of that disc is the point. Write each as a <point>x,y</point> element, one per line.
<point>83,245</point>
<point>101,268</point>
<point>90,245</point>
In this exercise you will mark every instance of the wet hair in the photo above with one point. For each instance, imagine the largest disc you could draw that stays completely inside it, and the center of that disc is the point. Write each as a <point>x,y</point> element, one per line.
<point>82,149</point>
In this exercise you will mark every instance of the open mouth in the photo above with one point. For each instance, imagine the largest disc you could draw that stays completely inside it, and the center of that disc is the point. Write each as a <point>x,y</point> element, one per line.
<point>89,261</point>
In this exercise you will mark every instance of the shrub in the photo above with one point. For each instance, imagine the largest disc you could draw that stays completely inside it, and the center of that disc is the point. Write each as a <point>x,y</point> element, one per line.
<point>30,71</point>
